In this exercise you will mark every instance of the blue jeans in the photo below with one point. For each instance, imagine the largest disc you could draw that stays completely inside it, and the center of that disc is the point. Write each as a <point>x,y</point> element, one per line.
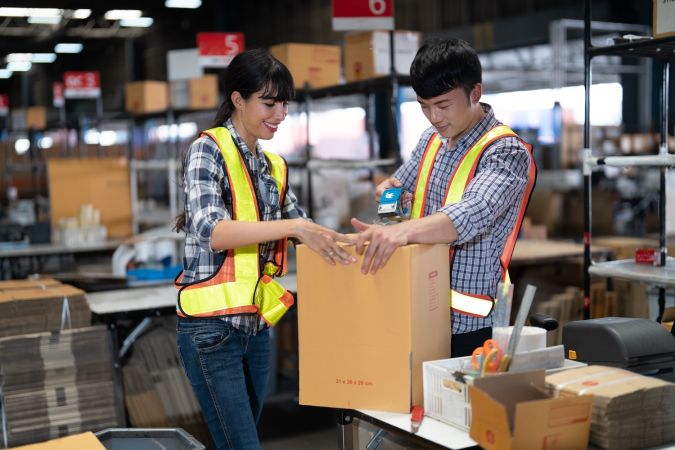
<point>229,371</point>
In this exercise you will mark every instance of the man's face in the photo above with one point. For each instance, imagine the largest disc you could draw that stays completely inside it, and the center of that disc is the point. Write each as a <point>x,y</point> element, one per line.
<point>451,113</point>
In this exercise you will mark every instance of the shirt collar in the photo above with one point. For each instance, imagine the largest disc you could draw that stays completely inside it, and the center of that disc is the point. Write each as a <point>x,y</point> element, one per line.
<point>483,125</point>
<point>239,141</point>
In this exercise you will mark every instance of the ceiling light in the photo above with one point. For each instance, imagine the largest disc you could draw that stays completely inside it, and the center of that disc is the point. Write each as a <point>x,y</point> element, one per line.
<point>4,74</point>
<point>81,13</point>
<point>43,58</point>
<point>18,57</point>
<point>191,4</point>
<point>142,22</point>
<point>19,66</point>
<point>48,20</point>
<point>119,14</point>
<point>68,48</point>
<point>27,12</point>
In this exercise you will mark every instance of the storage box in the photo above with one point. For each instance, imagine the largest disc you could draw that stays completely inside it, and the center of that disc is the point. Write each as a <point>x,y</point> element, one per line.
<point>318,65</point>
<point>36,118</point>
<point>663,18</point>
<point>142,97</point>
<point>513,411</point>
<point>363,338</point>
<point>196,93</point>
<point>83,441</point>
<point>368,54</point>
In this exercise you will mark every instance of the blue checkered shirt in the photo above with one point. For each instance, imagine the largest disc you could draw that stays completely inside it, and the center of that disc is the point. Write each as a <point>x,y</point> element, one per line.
<point>485,215</point>
<point>208,200</point>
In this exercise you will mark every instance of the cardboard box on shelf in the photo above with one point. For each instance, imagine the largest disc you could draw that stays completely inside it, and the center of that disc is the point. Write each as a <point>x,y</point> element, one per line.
<point>143,97</point>
<point>36,117</point>
<point>318,65</point>
<point>368,54</point>
<point>363,338</point>
<point>513,411</point>
<point>195,93</point>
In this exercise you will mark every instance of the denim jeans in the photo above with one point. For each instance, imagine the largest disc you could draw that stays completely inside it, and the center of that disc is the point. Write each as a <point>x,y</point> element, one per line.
<point>229,371</point>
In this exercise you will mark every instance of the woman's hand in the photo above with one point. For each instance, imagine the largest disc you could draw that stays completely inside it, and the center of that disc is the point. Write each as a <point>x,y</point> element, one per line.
<point>323,241</point>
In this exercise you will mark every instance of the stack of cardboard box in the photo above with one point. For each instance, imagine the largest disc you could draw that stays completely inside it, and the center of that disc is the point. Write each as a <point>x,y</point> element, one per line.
<point>31,306</point>
<point>57,383</point>
<point>630,411</point>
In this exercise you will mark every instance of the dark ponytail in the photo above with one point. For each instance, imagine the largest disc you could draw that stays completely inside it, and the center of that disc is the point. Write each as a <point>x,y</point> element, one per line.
<point>249,72</point>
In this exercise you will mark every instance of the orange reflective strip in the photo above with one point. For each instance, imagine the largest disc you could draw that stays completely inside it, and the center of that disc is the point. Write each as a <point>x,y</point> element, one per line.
<point>223,312</point>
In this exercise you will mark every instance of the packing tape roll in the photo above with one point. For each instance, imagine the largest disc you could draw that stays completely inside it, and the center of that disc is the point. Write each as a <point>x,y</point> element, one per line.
<point>531,338</point>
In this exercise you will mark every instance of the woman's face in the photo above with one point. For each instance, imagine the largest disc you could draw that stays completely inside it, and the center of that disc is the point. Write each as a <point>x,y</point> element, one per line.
<point>258,116</point>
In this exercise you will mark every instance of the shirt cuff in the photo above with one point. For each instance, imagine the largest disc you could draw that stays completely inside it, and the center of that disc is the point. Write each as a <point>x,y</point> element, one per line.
<point>460,219</point>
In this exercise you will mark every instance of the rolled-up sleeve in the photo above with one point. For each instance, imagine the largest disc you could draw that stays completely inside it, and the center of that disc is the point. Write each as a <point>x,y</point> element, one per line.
<point>204,183</point>
<point>499,183</point>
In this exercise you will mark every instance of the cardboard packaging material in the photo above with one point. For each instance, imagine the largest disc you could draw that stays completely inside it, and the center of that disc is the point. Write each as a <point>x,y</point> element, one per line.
<point>630,411</point>
<point>82,441</point>
<point>36,118</point>
<point>143,97</point>
<point>513,411</point>
<point>318,65</point>
<point>195,93</point>
<point>368,54</point>
<point>668,318</point>
<point>363,338</point>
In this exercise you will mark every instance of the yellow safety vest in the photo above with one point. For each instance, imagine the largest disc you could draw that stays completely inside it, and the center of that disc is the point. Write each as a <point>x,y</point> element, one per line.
<point>237,285</point>
<point>466,303</point>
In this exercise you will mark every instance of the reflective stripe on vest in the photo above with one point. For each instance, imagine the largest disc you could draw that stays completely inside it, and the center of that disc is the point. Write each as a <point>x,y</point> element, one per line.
<point>465,303</point>
<point>237,285</point>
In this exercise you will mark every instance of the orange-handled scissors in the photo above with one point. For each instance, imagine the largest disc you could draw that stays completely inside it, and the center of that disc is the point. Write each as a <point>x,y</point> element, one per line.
<point>487,358</point>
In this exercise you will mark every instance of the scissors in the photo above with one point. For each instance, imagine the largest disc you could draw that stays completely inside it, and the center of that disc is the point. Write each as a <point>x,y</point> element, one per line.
<point>487,358</point>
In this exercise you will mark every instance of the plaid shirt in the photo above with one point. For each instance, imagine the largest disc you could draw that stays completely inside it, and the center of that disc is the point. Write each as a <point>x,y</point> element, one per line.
<point>208,200</point>
<point>485,215</point>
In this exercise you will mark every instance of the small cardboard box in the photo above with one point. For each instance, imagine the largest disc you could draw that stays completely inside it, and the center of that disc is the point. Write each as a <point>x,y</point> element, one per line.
<point>363,338</point>
<point>368,54</point>
<point>668,318</point>
<point>36,118</point>
<point>318,65</point>
<point>513,411</point>
<point>203,92</point>
<point>142,97</point>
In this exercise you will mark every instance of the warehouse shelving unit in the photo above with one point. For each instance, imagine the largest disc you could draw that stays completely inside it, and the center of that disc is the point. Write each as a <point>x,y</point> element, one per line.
<point>663,274</point>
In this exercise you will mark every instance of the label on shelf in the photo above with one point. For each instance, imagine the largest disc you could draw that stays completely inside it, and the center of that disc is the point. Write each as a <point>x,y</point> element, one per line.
<point>4,104</point>
<point>58,99</point>
<point>646,256</point>
<point>363,15</point>
<point>218,49</point>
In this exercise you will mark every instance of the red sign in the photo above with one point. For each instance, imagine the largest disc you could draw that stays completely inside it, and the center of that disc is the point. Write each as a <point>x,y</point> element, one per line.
<point>4,104</point>
<point>363,15</point>
<point>82,84</point>
<point>58,98</point>
<point>218,49</point>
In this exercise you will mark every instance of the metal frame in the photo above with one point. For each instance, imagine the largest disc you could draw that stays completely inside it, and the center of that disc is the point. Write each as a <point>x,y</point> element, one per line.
<point>649,48</point>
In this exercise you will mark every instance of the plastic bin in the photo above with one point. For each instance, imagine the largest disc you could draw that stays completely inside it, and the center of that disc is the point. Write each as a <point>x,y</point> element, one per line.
<point>148,439</point>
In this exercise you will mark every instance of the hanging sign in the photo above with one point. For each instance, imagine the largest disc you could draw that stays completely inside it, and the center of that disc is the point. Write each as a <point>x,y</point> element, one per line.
<point>218,49</point>
<point>82,84</point>
<point>58,99</point>
<point>4,104</point>
<point>363,15</point>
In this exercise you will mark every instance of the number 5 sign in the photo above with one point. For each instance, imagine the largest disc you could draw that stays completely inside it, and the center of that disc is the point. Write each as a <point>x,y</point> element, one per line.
<point>218,49</point>
<point>363,15</point>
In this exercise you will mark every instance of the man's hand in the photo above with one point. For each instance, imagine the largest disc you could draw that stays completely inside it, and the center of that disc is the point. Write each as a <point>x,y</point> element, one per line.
<point>390,183</point>
<point>323,241</point>
<point>383,242</point>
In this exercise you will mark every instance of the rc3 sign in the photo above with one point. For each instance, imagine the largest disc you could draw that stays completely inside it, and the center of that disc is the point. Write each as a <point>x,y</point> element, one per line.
<point>82,84</point>
<point>363,15</point>
<point>218,49</point>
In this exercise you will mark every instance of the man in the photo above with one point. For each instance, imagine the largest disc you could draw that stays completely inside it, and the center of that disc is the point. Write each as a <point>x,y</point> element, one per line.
<point>479,213</point>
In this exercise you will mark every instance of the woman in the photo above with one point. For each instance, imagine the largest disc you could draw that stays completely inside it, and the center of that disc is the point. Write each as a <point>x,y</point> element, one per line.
<point>239,213</point>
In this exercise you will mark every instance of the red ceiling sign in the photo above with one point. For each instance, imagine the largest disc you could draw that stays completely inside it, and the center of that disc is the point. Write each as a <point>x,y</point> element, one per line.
<point>218,49</point>
<point>82,84</point>
<point>363,15</point>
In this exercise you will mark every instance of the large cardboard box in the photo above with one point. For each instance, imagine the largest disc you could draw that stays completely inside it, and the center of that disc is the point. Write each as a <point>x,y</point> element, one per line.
<point>513,411</point>
<point>363,338</point>
<point>142,97</point>
<point>368,54</point>
<point>195,93</point>
<point>318,65</point>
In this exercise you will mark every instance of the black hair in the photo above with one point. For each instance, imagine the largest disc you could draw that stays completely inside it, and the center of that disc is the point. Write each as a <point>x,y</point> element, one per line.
<point>250,72</point>
<point>441,65</point>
